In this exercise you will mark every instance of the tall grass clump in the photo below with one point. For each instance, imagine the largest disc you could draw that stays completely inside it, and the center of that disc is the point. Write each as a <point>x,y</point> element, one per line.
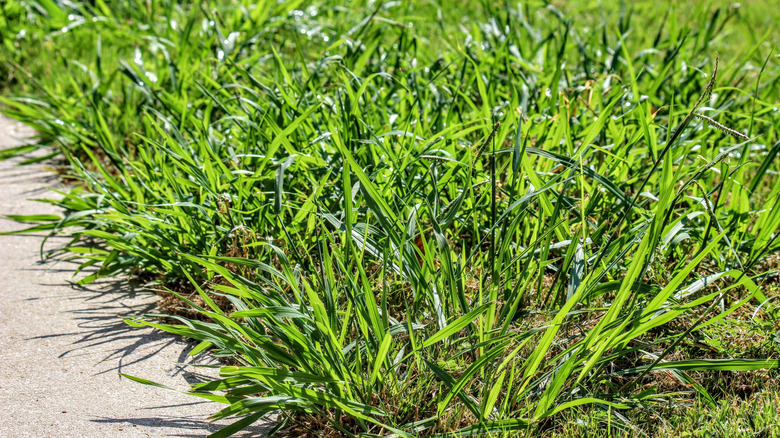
<point>390,218</point>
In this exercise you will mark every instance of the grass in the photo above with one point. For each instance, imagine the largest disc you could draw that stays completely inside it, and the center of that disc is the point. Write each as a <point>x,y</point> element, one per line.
<point>429,218</point>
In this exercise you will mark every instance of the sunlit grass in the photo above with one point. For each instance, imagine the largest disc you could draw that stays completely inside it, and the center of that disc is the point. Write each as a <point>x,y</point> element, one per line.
<point>423,218</point>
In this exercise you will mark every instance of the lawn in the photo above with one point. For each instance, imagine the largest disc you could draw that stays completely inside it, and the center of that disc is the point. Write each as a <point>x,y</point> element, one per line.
<point>428,218</point>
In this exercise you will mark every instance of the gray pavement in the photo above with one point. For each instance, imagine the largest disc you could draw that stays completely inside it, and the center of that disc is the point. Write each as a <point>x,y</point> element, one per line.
<point>62,347</point>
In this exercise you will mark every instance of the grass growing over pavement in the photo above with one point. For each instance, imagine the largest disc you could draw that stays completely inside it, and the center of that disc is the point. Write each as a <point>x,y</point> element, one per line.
<point>422,218</point>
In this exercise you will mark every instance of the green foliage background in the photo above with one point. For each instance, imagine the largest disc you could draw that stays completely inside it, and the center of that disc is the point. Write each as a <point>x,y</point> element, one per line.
<point>420,217</point>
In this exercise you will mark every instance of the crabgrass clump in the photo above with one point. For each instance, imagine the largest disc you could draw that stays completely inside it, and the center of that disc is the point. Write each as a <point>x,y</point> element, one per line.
<point>396,219</point>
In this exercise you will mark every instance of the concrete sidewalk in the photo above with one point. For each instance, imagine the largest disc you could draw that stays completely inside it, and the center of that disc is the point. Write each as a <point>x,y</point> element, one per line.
<point>63,347</point>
